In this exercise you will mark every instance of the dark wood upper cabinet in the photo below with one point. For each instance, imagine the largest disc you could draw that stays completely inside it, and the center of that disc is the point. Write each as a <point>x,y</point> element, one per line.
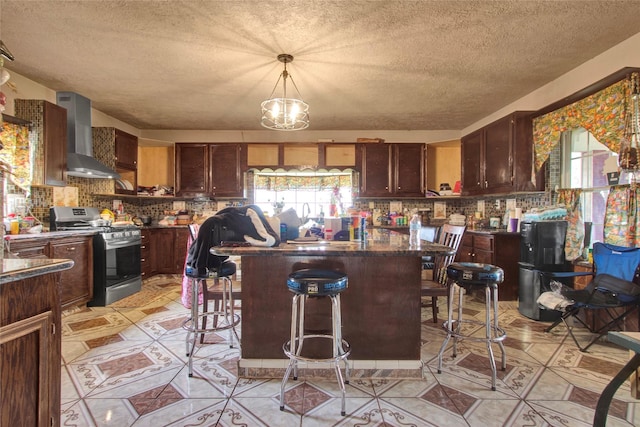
<point>49,122</point>
<point>210,169</point>
<point>498,158</point>
<point>192,169</point>
<point>126,150</point>
<point>471,153</point>
<point>391,170</point>
<point>374,164</point>
<point>409,170</point>
<point>226,170</point>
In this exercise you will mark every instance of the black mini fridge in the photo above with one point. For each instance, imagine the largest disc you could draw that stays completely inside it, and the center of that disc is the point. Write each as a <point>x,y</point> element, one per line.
<point>541,250</point>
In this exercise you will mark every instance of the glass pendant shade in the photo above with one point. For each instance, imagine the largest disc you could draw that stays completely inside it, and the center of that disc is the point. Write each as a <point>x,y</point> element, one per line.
<point>283,113</point>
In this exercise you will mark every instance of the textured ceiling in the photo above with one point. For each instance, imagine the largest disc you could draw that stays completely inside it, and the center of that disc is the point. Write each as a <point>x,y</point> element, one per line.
<point>382,65</point>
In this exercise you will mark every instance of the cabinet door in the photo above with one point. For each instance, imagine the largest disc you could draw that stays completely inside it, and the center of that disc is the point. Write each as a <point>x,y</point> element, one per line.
<point>77,282</point>
<point>409,173</point>
<point>498,156</point>
<point>126,150</point>
<point>55,144</point>
<point>374,164</point>
<point>164,247</point>
<point>472,178</point>
<point>192,169</point>
<point>338,155</point>
<point>180,248</point>
<point>226,170</point>
<point>465,252</point>
<point>25,347</point>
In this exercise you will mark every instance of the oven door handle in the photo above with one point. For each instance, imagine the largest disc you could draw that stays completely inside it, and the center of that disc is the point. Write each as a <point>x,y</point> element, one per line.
<point>113,244</point>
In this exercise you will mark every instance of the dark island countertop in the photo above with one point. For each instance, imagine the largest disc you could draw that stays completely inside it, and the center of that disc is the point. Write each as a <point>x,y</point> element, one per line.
<point>19,269</point>
<point>381,242</point>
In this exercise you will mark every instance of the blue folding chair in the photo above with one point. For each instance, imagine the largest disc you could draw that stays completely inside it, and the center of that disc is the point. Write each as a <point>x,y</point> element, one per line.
<point>612,294</point>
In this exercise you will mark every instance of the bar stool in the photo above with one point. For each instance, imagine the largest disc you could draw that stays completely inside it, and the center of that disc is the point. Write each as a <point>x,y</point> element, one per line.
<point>313,283</point>
<point>468,276</point>
<point>224,317</point>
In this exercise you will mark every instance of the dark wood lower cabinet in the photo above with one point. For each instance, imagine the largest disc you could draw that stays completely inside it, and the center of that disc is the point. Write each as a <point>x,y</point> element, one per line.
<point>501,249</point>
<point>30,351</point>
<point>167,250</point>
<point>77,283</point>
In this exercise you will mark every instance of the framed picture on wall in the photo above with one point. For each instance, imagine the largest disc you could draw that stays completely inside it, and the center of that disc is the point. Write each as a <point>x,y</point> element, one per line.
<point>439,210</point>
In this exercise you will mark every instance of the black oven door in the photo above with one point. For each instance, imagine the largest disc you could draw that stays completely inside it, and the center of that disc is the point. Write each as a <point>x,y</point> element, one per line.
<point>121,263</point>
<point>116,269</point>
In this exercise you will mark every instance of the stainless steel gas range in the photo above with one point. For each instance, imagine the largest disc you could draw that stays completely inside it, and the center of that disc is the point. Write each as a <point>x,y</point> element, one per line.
<point>116,252</point>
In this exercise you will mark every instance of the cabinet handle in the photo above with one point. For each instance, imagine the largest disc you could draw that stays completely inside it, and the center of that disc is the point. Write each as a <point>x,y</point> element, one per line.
<point>143,247</point>
<point>142,260</point>
<point>386,188</point>
<point>486,183</point>
<point>72,248</point>
<point>399,188</point>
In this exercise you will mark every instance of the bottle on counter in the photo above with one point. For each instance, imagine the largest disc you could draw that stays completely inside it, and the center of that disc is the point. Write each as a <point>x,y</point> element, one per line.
<point>414,230</point>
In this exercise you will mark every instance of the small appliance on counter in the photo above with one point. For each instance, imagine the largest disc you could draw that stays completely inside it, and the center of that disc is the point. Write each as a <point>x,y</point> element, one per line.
<point>116,252</point>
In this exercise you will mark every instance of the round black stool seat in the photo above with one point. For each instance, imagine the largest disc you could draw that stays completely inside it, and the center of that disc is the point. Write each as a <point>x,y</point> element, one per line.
<point>474,274</point>
<point>226,269</point>
<point>316,282</point>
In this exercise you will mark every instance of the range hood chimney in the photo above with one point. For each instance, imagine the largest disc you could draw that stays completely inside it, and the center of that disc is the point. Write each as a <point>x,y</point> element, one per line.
<point>80,160</point>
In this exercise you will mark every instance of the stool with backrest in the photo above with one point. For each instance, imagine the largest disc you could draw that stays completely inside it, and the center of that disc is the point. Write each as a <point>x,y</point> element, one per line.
<point>450,235</point>
<point>224,316</point>
<point>466,276</point>
<point>316,283</point>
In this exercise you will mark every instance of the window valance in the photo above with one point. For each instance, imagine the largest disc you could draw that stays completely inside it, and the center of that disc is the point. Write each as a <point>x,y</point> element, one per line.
<point>302,180</point>
<point>602,114</point>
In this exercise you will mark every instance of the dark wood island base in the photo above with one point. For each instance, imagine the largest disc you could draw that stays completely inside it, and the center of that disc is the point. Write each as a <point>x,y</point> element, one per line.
<point>380,308</point>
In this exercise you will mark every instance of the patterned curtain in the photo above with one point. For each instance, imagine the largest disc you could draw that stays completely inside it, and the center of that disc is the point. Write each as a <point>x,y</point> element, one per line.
<point>282,183</point>
<point>15,139</point>
<point>602,114</point>
<point>621,217</point>
<point>575,229</point>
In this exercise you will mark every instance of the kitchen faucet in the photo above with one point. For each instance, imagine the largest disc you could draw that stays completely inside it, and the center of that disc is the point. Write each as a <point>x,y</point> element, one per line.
<point>305,217</point>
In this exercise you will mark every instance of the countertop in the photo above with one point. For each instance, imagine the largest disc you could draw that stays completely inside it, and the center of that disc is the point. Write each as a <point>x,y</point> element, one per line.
<point>380,243</point>
<point>19,269</point>
<point>50,234</point>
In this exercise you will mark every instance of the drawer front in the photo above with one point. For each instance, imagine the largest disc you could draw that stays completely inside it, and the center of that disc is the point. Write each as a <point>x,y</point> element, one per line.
<point>484,243</point>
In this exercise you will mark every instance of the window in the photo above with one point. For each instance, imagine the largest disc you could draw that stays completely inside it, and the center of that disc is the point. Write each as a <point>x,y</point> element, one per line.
<point>326,193</point>
<point>584,163</point>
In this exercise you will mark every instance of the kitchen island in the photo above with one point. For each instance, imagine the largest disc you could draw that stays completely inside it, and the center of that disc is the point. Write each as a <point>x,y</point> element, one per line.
<point>380,308</point>
<point>30,340</point>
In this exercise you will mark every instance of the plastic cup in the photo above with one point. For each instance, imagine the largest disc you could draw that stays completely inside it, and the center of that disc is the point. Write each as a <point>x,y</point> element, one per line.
<point>513,224</point>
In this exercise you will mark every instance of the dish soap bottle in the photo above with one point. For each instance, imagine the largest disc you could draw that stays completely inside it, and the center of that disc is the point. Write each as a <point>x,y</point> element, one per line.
<point>414,231</point>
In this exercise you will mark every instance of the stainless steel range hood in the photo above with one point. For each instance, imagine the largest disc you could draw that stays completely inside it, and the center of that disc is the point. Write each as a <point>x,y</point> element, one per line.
<point>80,160</point>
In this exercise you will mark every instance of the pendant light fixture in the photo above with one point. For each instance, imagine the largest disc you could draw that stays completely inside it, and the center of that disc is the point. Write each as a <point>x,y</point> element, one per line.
<point>283,113</point>
<point>628,158</point>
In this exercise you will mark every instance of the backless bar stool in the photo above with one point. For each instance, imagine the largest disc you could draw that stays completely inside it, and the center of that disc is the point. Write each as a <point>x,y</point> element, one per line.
<point>224,317</point>
<point>468,276</point>
<point>312,283</point>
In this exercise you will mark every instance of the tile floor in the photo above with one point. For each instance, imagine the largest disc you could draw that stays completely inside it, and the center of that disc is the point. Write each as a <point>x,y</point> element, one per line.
<point>125,366</point>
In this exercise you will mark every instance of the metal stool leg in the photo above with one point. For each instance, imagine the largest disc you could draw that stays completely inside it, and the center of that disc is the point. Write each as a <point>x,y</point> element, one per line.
<point>337,348</point>
<point>488,329</point>
<point>447,325</point>
<point>497,329</point>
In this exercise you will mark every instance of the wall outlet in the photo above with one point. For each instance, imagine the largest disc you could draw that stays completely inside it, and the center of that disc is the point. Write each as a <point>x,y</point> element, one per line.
<point>497,203</point>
